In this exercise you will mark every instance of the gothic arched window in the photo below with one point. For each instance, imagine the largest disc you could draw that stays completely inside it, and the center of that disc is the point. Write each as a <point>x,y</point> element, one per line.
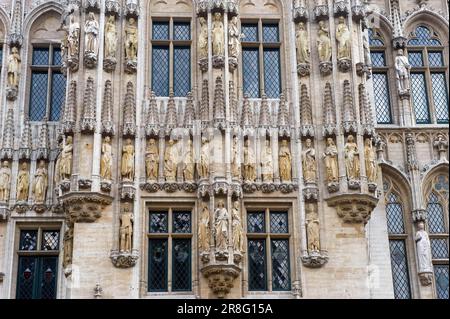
<point>380,77</point>
<point>397,242</point>
<point>437,209</point>
<point>429,85</point>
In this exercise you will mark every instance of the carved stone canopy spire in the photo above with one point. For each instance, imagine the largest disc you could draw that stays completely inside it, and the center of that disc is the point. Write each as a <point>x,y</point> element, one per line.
<point>219,103</point>
<point>329,120</point>
<point>189,114</point>
<point>129,112</point>
<point>233,106</point>
<point>411,156</point>
<point>306,112</point>
<point>283,116</point>
<point>68,119</point>
<point>247,113</point>
<point>89,109</point>
<point>264,112</point>
<point>365,111</point>
<point>398,39</point>
<point>152,121</point>
<point>8,135</point>
<point>171,112</point>
<point>25,141</point>
<point>107,110</point>
<point>204,105</point>
<point>348,109</point>
<point>43,143</point>
<point>15,37</point>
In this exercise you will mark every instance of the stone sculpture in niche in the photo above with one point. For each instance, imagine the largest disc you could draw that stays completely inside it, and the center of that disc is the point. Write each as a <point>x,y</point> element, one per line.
<point>126,228</point>
<point>221,219</point>
<point>218,35</point>
<point>91,30</point>
<point>343,38</point>
<point>204,230</point>
<point>267,163</point>
<point>352,159</point>
<point>312,227</point>
<point>324,49</point>
<point>234,38</point>
<point>131,46</point>
<point>249,163</point>
<point>309,163</point>
<point>23,183</point>
<point>73,38</point>
<point>14,62</point>
<point>235,162</point>
<point>424,256</point>
<point>170,162</point>
<point>127,167</point>
<point>110,43</point>
<point>370,161</point>
<point>203,166</point>
<point>106,159</point>
<point>40,183</point>
<point>402,68</point>
<point>303,53</point>
<point>203,39</point>
<point>65,162</point>
<point>285,161</point>
<point>5,181</point>
<point>152,160</point>
<point>189,164</point>
<point>331,161</point>
<point>238,232</point>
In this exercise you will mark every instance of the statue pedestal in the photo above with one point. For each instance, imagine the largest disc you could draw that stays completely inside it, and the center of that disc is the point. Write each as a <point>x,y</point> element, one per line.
<point>314,259</point>
<point>221,278</point>
<point>353,208</point>
<point>124,259</point>
<point>84,207</point>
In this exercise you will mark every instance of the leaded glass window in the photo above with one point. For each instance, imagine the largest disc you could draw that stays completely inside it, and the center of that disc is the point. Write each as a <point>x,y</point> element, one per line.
<point>171,58</point>
<point>380,78</point>
<point>394,215</point>
<point>429,76</point>
<point>382,98</point>
<point>441,278</point>
<point>37,271</point>
<point>420,98</point>
<point>48,84</point>
<point>170,247</point>
<point>399,266</point>
<point>261,59</point>
<point>268,244</point>
<point>436,223</point>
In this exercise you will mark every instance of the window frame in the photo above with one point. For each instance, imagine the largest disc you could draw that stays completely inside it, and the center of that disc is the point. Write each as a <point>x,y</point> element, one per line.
<point>263,46</point>
<point>170,236</point>
<point>51,69</point>
<point>268,236</point>
<point>171,44</point>
<point>427,70</point>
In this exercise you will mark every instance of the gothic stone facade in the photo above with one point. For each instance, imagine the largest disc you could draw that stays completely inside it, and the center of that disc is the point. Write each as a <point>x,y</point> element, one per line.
<point>224,149</point>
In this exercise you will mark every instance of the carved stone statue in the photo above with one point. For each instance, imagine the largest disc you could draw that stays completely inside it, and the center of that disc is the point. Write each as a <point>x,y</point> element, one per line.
<point>203,166</point>
<point>40,183</point>
<point>402,68</point>
<point>106,159</point>
<point>235,161</point>
<point>249,163</point>
<point>285,161</point>
<point>131,41</point>
<point>423,249</point>
<point>65,163</point>
<point>203,39</point>
<point>234,38</point>
<point>352,158</point>
<point>14,68</point>
<point>303,53</point>
<point>170,162</point>
<point>23,183</point>
<point>152,160</point>
<point>57,177</point>
<point>204,230</point>
<point>267,162</point>
<point>127,167</point>
<point>73,38</point>
<point>238,232</point>
<point>331,161</point>
<point>68,247</point>
<point>5,181</point>
<point>126,228</point>
<point>343,38</point>
<point>110,37</point>
<point>370,161</point>
<point>221,227</point>
<point>218,35</point>
<point>189,163</point>
<point>309,163</point>
<point>324,43</point>
<point>91,30</point>
<point>312,227</point>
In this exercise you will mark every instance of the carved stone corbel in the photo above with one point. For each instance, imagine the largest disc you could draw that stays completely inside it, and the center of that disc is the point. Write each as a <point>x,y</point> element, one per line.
<point>353,208</point>
<point>84,207</point>
<point>124,259</point>
<point>314,259</point>
<point>221,278</point>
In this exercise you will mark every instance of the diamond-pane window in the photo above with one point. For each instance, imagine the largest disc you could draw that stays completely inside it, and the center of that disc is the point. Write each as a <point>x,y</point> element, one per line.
<point>374,40</point>
<point>420,98</point>
<point>250,32</point>
<point>399,266</point>
<point>394,215</point>
<point>272,77</point>
<point>440,97</point>
<point>159,223</point>
<point>160,70</point>
<point>182,222</point>
<point>436,224</point>
<point>423,38</point>
<point>378,59</point>
<point>157,269</point>
<point>182,31</point>
<point>439,248</point>
<point>57,59</point>
<point>28,240</point>
<point>441,279</point>
<point>38,96</point>
<point>271,33</point>
<point>415,58</point>
<point>250,65</point>
<point>1,57</point>
<point>435,59</point>
<point>255,223</point>
<point>382,98</point>
<point>48,275</point>
<point>50,240</point>
<point>26,277</point>
<point>257,264</point>
<point>181,264</point>
<point>41,56</point>
<point>279,222</point>
<point>58,95</point>
<point>280,265</point>
<point>182,71</point>
<point>160,30</point>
